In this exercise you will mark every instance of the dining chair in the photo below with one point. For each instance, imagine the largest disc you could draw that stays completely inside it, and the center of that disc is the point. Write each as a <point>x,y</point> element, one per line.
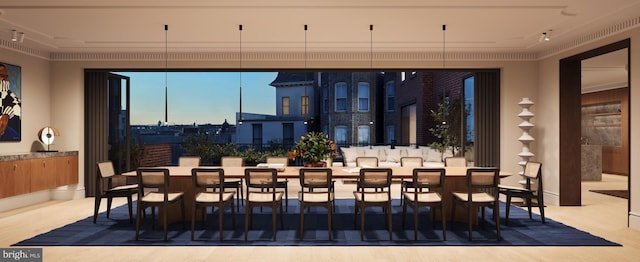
<point>528,193</point>
<point>455,161</point>
<point>156,179</point>
<point>370,180</point>
<point>262,178</point>
<point>110,185</point>
<point>431,179</point>
<point>189,161</point>
<point>415,162</point>
<point>367,161</point>
<point>316,190</point>
<point>234,161</point>
<point>210,178</point>
<point>281,183</point>
<point>482,191</point>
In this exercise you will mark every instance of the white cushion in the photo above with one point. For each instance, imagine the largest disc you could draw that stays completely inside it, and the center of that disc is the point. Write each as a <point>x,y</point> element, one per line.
<point>403,150</point>
<point>393,155</point>
<point>433,155</point>
<point>349,155</point>
<point>414,152</point>
<point>382,156</point>
<point>371,152</point>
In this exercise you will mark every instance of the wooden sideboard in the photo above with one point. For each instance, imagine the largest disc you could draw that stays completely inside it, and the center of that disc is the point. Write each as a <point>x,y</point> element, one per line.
<point>32,172</point>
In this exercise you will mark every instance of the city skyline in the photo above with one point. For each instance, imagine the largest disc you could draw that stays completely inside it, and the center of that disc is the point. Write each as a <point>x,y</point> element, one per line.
<point>198,97</point>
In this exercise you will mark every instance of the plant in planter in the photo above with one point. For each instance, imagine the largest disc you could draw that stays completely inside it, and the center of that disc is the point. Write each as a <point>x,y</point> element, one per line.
<point>314,148</point>
<point>448,125</point>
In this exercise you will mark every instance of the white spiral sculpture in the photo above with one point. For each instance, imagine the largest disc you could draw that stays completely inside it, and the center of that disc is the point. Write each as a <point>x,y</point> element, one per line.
<point>525,138</point>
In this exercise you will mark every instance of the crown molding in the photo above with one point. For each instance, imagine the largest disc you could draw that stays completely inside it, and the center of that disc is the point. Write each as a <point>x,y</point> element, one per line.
<point>343,56</point>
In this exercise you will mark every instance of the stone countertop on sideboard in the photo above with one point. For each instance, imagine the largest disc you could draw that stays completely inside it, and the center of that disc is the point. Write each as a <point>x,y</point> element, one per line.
<point>5,157</point>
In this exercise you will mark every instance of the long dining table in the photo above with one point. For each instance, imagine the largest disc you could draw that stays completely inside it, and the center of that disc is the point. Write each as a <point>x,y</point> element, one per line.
<point>181,181</point>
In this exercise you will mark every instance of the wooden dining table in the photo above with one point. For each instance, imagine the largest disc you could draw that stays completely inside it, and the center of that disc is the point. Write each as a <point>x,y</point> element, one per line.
<point>181,181</point>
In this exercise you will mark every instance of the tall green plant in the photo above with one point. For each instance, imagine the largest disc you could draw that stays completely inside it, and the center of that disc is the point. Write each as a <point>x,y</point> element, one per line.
<point>448,125</point>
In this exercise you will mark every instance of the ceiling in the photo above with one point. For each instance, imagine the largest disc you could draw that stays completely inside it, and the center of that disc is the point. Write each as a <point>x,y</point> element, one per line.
<point>64,26</point>
<point>334,26</point>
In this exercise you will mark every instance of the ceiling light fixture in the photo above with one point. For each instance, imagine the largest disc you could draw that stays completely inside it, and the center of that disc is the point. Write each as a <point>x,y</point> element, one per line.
<point>545,36</point>
<point>20,37</point>
<point>371,68</point>
<point>240,114</point>
<point>305,106</point>
<point>166,82</point>
<point>444,29</point>
<point>14,35</point>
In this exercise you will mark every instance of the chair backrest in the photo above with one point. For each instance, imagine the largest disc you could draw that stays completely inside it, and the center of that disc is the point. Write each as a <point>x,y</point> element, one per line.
<point>278,160</point>
<point>482,179</point>
<point>261,177</point>
<point>190,161</point>
<point>455,161</point>
<point>533,170</point>
<point>413,161</point>
<point>205,178</point>
<point>367,161</point>
<point>105,169</point>
<point>316,178</point>
<point>374,178</point>
<point>428,178</point>
<point>154,178</point>
<point>232,161</point>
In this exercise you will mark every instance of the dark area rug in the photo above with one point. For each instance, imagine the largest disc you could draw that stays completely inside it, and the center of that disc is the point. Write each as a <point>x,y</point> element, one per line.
<point>616,193</point>
<point>118,231</point>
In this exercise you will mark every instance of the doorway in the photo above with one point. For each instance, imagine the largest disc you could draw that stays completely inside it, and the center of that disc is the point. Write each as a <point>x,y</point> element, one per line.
<point>571,117</point>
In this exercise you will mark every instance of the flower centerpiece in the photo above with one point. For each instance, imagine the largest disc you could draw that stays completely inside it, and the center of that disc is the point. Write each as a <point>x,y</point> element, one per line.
<point>314,148</point>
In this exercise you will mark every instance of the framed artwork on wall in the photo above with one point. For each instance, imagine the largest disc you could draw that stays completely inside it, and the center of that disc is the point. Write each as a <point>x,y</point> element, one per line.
<point>11,105</point>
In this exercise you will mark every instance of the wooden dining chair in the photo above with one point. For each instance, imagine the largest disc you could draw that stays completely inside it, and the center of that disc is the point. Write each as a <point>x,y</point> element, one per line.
<point>455,162</point>
<point>316,190</point>
<point>482,191</point>
<point>370,180</point>
<point>156,179</point>
<point>110,185</point>
<point>431,179</point>
<point>529,192</point>
<point>210,178</point>
<point>189,161</point>
<point>405,185</point>
<point>367,161</point>
<point>234,161</point>
<point>262,178</point>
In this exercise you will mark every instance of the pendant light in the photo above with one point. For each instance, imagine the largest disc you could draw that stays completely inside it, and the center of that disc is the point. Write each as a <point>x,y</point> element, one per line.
<point>240,115</point>
<point>305,106</point>
<point>372,73</point>
<point>166,83</point>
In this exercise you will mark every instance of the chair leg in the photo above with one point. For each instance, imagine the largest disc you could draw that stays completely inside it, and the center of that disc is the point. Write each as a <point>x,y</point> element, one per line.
<point>109,201</point>
<point>541,207</point>
<point>220,213</point>
<point>302,220</point>
<point>246,220</point>
<point>362,223</point>
<point>444,224</point>
<point>286,196</point>
<point>507,207</point>
<point>404,214</point>
<point>193,220</point>
<point>138,210</point>
<point>273,221</point>
<point>390,222</point>
<point>529,206</point>
<point>165,215</point>
<point>96,206</point>
<point>469,208</point>
<point>130,204</point>
<point>415,222</point>
<point>496,214</point>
